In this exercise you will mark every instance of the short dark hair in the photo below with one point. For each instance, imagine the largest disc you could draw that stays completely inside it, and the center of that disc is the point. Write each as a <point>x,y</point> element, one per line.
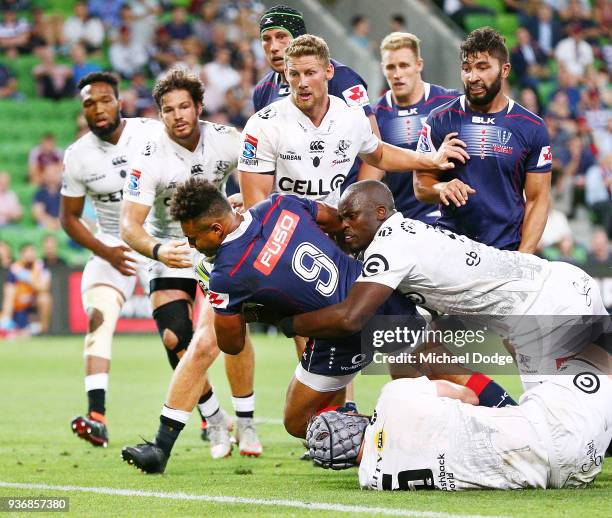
<point>357,19</point>
<point>100,77</point>
<point>485,39</point>
<point>196,198</point>
<point>398,18</point>
<point>178,78</point>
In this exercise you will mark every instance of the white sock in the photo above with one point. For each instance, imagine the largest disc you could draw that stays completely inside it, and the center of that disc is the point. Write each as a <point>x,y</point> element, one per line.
<point>244,404</point>
<point>210,406</point>
<point>176,415</point>
<point>96,381</point>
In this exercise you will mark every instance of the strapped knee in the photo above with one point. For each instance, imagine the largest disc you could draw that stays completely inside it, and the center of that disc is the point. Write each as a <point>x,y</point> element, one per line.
<point>103,306</point>
<point>175,328</point>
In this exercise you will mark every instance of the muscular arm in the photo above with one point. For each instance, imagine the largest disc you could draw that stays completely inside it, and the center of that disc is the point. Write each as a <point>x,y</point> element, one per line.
<point>133,216</point>
<point>230,331</point>
<point>537,204</point>
<point>71,210</point>
<point>328,219</point>
<point>255,187</point>
<point>427,186</point>
<point>345,318</point>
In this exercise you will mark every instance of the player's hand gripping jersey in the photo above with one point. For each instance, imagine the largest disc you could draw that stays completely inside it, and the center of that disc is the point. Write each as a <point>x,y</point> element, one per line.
<point>306,160</point>
<point>503,148</point>
<point>162,164</point>
<point>98,169</point>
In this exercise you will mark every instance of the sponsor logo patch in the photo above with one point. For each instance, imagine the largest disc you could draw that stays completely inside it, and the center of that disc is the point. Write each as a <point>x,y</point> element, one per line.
<point>249,150</point>
<point>425,144</point>
<point>277,243</point>
<point>356,96</point>
<point>134,180</point>
<point>545,157</point>
<point>218,300</point>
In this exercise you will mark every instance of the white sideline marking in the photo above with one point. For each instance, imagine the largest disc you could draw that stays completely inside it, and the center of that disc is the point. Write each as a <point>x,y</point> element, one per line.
<point>240,500</point>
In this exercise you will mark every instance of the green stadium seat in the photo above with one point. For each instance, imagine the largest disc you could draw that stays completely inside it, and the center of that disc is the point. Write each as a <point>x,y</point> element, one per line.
<point>496,5</point>
<point>476,21</point>
<point>507,24</point>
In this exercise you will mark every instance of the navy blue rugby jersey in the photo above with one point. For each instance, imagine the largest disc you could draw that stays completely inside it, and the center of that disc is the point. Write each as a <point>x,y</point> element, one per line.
<point>503,148</point>
<point>401,126</point>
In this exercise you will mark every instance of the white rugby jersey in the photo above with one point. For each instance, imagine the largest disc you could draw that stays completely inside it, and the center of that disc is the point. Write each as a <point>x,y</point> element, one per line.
<point>98,169</point>
<point>162,165</point>
<point>417,440</point>
<point>308,161</point>
<point>451,273</point>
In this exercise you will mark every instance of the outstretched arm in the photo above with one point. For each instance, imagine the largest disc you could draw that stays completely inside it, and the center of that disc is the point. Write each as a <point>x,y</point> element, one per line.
<point>343,319</point>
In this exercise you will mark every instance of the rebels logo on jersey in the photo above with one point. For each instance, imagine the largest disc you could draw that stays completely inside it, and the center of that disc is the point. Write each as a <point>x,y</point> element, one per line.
<point>277,243</point>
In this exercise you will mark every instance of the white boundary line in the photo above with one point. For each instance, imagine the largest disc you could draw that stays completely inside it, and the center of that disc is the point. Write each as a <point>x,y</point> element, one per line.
<point>340,508</point>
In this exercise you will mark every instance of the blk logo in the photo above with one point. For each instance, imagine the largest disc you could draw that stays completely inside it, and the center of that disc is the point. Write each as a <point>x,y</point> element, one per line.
<point>483,120</point>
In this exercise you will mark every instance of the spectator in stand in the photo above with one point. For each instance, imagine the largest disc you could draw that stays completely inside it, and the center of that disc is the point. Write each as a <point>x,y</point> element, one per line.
<point>142,93</point>
<point>360,28</point>
<point>163,53</point>
<point>529,99</point>
<point>574,53</point>
<point>557,227</point>
<point>46,204</point>
<point>179,27</point>
<point>603,138</point>
<point>80,65</point>
<point>8,84</point>
<point>220,77</point>
<point>109,11</point>
<point>219,41</point>
<point>397,23</point>
<point>41,156</point>
<point>53,81</point>
<point>14,34</point>
<point>144,16</point>
<point>598,191</point>
<point>208,16</point>
<point>10,208</point>
<point>6,255</point>
<point>528,61</point>
<point>545,29</point>
<point>568,84</point>
<point>577,158</point>
<point>84,28</point>
<point>27,292</point>
<point>600,248</point>
<point>578,12</point>
<point>50,257</point>
<point>47,29</point>
<point>125,58</point>
<point>567,250</point>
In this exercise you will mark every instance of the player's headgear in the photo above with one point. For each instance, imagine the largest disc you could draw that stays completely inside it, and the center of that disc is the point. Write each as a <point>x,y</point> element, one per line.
<point>334,439</point>
<point>283,17</point>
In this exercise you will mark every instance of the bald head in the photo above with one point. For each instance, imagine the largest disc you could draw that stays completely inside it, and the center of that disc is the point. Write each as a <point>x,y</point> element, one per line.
<point>369,192</point>
<point>364,207</point>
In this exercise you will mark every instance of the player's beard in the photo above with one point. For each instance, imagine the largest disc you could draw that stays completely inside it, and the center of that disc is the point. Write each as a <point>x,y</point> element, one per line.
<point>103,132</point>
<point>490,92</point>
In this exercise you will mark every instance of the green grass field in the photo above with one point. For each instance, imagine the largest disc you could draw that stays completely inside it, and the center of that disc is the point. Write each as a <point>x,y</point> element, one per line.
<point>41,389</point>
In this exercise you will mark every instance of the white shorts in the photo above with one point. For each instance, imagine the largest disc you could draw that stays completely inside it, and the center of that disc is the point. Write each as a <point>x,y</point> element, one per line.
<point>564,317</point>
<point>99,271</point>
<point>322,383</point>
<point>572,413</point>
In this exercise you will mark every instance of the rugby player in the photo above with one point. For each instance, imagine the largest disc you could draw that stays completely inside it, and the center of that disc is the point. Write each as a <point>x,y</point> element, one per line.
<point>428,435</point>
<point>187,147</point>
<point>96,166</point>
<point>453,274</point>
<point>278,26</point>
<point>306,143</point>
<point>249,265</point>
<point>400,114</point>
<point>501,196</point>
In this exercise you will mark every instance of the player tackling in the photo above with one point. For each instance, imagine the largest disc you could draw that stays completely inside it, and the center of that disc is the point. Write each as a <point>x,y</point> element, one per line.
<point>428,435</point>
<point>96,166</point>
